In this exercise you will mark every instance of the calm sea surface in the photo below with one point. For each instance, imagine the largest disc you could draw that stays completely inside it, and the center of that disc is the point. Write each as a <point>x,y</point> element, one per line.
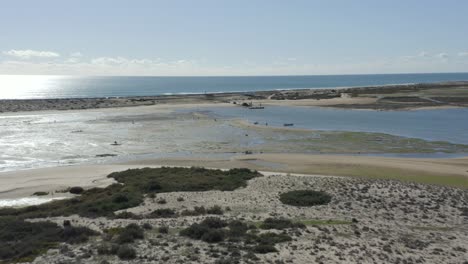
<point>28,87</point>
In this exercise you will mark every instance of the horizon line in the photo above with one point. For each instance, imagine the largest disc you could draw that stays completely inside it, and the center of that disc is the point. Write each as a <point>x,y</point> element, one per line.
<point>261,75</point>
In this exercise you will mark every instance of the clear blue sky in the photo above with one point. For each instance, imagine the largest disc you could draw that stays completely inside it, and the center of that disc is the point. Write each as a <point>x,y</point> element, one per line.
<point>112,37</point>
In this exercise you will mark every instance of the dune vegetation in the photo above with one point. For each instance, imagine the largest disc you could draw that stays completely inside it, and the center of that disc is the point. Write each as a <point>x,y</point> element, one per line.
<point>131,188</point>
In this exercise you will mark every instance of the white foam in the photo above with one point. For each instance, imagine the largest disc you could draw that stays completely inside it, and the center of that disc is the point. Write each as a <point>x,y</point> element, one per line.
<point>27,201</point>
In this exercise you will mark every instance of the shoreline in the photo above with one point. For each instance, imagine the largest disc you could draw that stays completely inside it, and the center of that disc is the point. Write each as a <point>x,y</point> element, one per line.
<point>377,97</point>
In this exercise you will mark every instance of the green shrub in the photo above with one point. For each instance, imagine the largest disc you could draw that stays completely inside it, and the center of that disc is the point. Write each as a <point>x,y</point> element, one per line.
<point>75,235</point>
<point>161,201</point>
<point>40,193</point>
<point>213,222</point>
<point>197,210</point>
<point>216,210</point>
<point>127,215</point>
<point>263,249</point>
<point>162,213</point>
<point>305,198</point>
<point>213,236</point>
<point>280,223</point>
<point>147,226</point>
<point>195,231</point>
<point>106,249</point>
<point>126,252</point>
<point>21,240</point>
<point>185,179</point>
<point>272,238</point>
<point>113,231</point>
<point>130,233</point>
<point>132,186</point>
<point>237,228</point>
<point>76,190</point>
<point>163,230</point>
<point>153,186</point>
<point>215,230</point>
<point>120,198</point>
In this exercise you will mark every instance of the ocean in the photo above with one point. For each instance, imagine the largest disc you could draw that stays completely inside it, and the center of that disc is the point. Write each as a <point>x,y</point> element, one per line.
<point>46,87</point>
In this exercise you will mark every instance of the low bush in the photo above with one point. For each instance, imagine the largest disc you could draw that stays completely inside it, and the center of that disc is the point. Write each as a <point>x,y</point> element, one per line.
<point>213,222</point>
<point>197,210</point>
<point>131,188</point>
<point>75,235</point>
<point>201,210</point>
<point>215,230</point>
<point>161,201</point>
<point>76,190</point>
<point>272,238</point>
<point>108,249</point>
<point>263,249</point>
<point>113,231</point>
<point>153,186</point>
<point>205,230</point>
<point>280,223</point>
<point>185,179</point>
<point>40,193</point>
<point>130,233</point>
<point>104,249</point>
<point>127,215</point>
<point>22,241</point>
<point>147,226</point>
<point>213,236</point>
<point>195,231</point>
<point>305,198</point>
<point>126,252</point>
<point>94,202</point>
<point>237,228</point>
<point>163,230</point>
<point>216,210</point>
<point>162,213</point>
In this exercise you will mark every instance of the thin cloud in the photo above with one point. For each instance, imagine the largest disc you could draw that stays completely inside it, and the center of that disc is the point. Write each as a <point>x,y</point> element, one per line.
<point>28,54</point>
<point>109,61</point>
<point>76,54</point>
<point>119,65</point>
<point>423,54</point>
<point>442,55</point>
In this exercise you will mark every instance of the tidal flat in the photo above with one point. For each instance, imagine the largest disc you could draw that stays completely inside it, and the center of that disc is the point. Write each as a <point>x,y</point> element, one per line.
<point>49,139</point>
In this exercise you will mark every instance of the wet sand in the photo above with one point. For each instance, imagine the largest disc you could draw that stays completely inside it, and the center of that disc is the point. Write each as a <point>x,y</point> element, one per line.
<point>20,184</point>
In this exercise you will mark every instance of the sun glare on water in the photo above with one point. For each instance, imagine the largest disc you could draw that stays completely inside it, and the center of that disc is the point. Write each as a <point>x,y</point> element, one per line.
<point>26,86</point>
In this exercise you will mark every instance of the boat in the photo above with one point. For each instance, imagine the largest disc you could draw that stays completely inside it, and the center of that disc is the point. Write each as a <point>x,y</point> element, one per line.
<point>288,124</point>
<point>256,107</point>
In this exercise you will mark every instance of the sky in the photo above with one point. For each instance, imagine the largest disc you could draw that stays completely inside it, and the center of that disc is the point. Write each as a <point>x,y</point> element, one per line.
<point>239,37</point>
